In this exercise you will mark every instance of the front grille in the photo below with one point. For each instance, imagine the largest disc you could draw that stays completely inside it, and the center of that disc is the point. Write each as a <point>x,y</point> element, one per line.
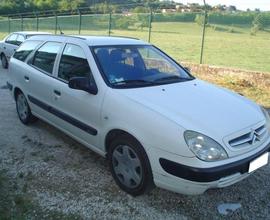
<point>251,138</point>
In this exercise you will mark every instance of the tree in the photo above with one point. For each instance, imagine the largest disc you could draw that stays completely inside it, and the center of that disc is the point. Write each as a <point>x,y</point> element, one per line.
<point>70,4</point>
<point>41,5</point>
<point>140,9</point>
<point>232,8</point>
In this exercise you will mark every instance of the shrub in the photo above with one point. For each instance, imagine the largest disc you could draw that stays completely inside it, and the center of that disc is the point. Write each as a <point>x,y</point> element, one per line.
<point>123,22</point>
<point>258,25</point>
<point>258,22</point>
<point>231,30</point>
<point>143,21</point>
<point>254,30</point>
<point>200,19</point>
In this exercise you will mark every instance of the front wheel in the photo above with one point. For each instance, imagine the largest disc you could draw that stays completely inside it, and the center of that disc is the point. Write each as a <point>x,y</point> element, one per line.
<point>130,166</point>
<point>23,109</point>
<point>4,61</point>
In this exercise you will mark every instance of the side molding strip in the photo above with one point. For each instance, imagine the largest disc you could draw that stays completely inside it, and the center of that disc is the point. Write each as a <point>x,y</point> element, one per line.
<point>63,116</point>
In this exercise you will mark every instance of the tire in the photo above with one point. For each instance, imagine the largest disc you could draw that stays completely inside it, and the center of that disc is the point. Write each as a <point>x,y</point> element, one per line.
<point>23,109</point>
<point>130,166</point>
<point>4,61</point>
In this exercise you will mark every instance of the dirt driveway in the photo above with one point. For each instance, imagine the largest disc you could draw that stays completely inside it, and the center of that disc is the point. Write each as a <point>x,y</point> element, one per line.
<point>50,176</point>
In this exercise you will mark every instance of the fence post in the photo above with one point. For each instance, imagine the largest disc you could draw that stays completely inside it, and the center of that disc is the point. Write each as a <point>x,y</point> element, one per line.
<point>21,22</point>
<point>203,34</point>
<point>110,24</point>
<point>150,25</point>
<point>37,20</point>
<point>8,24</point>
<point>56,23</point>
<point>80,21</point>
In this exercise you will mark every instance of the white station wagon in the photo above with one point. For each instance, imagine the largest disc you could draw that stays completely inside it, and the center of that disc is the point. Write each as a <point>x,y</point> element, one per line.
<point>130,102</point>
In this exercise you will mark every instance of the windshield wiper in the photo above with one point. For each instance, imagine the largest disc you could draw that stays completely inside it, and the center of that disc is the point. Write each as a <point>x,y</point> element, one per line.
<point>170,78</point>
<point>136,82</point>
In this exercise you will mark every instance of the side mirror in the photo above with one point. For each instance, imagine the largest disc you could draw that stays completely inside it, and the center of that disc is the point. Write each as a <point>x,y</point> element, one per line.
<point>84,84</point>
<point>187,69</point>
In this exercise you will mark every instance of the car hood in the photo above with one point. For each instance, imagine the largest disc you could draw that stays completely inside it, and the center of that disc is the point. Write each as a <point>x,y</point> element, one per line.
<point>199,106</point>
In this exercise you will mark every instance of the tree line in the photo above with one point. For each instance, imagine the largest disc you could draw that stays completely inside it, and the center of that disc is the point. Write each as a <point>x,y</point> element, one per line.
<point>19,6</point>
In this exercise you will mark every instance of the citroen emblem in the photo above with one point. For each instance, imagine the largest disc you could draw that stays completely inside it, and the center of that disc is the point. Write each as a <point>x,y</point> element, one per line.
<point>254,137</point>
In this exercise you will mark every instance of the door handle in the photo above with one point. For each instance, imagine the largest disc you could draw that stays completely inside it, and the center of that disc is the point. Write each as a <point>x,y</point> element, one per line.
<point>57,93</point>
<point>26,78</point>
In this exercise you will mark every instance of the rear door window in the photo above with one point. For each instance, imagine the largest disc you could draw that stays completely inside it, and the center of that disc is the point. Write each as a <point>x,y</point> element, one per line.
<point>12,39</point>
<point>20,39</point>
<point>73,63</point>
<point>45,56</point>
<point>24,50</point>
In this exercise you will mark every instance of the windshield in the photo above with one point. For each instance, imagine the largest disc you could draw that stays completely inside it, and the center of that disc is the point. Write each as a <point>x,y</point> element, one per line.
<point>138,66</point>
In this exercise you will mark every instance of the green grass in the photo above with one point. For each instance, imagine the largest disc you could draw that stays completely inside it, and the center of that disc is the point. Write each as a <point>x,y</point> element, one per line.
<point>228,46</point>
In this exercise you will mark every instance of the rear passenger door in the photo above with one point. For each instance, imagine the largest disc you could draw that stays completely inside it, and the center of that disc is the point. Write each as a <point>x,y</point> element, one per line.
<point>78,111</point>
<point>39,78</point>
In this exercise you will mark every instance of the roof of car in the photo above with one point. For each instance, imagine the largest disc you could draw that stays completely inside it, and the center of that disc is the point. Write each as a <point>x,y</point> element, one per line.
<point>31,32</point>
<point>95,40</point>
<point>106,40</point>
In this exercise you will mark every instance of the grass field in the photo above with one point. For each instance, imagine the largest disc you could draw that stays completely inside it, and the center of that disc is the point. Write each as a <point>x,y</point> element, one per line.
<point>224,45</point>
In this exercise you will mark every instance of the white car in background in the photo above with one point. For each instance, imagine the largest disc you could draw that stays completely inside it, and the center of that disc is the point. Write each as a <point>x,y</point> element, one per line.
<point>10,43</point>
<point>130,102</point>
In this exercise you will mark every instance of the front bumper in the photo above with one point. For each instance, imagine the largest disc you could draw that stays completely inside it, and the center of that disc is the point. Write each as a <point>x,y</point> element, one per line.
<point>172,175</point>
<point>209,174</point>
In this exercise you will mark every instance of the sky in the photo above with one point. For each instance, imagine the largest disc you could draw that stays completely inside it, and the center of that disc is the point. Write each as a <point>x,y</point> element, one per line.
<point>264,5</point>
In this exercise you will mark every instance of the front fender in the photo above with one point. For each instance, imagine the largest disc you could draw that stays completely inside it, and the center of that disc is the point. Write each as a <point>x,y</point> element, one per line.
<point>150,128</point>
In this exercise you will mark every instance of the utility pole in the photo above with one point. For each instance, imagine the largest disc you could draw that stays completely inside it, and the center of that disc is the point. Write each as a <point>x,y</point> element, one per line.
<point>80,21</point>
<point>204,27</point>
<point>150,25</point>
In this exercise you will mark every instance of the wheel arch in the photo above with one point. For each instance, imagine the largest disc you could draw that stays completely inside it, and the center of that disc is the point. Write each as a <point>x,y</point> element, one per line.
<point>146,165</point>
<point>113,133</point>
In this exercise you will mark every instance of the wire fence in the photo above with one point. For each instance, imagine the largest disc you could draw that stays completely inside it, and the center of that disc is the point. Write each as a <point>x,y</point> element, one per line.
<point>230,38</point>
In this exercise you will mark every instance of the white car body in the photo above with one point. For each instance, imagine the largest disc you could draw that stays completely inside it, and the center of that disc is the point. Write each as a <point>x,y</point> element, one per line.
<point>7,48</point>
<point>157,116</point>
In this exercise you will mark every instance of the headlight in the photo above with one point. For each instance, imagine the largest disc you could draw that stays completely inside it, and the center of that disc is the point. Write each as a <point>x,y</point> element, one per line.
<point>267,117</point>
<point>205,148</point>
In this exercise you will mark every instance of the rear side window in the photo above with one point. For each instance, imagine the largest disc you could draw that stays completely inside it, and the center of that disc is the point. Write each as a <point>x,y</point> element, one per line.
<point>73,63</point>
<point>26,48</point>
<point>12,39</point>
<point>44,58</point>
<point>20,39</point>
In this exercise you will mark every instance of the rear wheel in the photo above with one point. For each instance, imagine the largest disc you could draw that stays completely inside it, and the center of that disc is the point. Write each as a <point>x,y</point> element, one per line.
<point>4,61</point>
<point>23,109</point>
<point>130,166</point>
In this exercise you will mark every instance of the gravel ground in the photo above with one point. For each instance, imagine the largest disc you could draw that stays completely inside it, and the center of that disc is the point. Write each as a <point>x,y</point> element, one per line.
<point>62,175</point>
